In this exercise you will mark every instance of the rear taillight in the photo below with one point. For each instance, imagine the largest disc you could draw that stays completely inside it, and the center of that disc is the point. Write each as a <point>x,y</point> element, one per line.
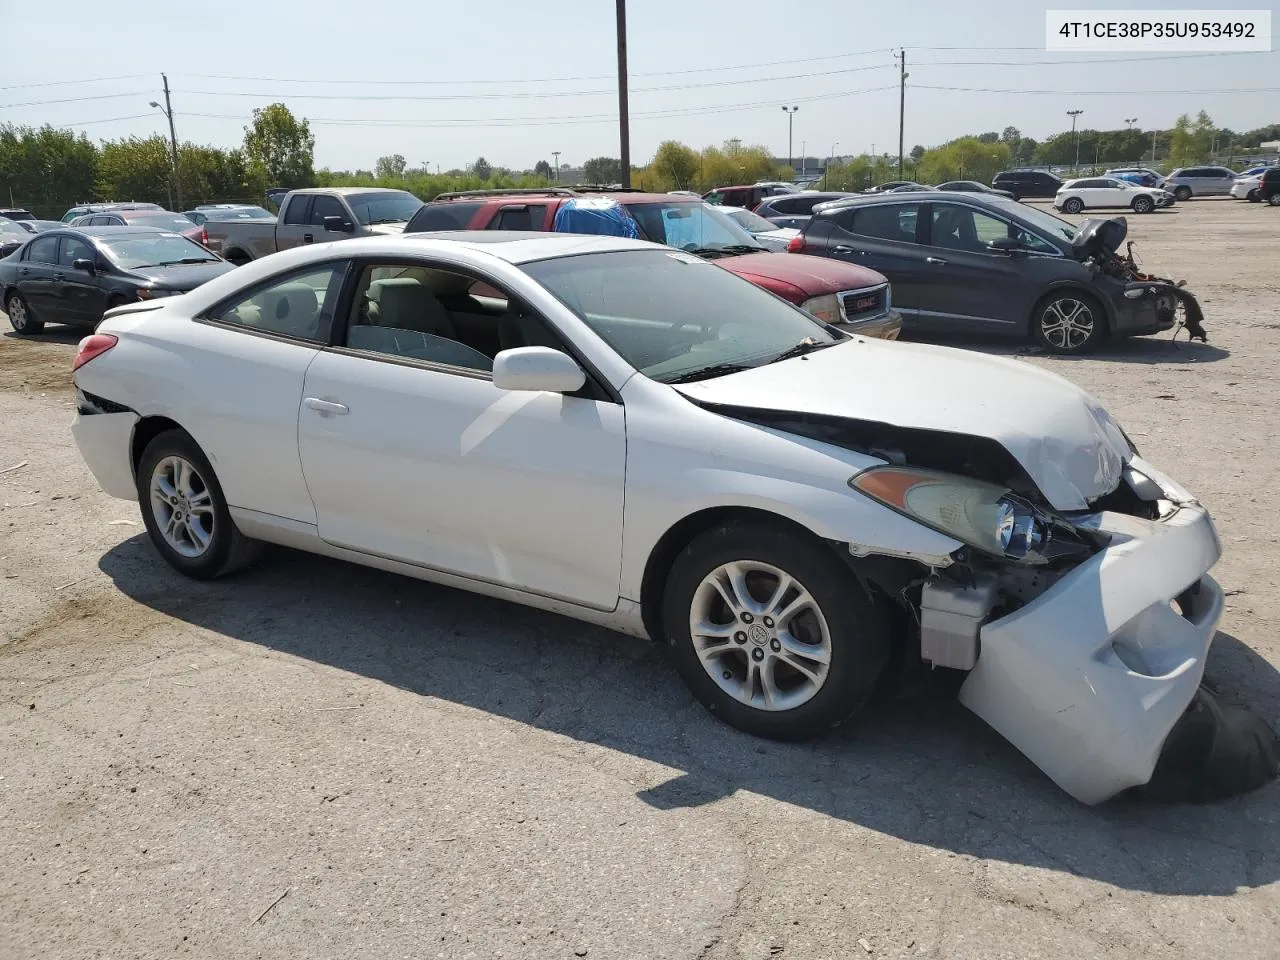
<point>204,237</point>
<point>93,346</point>
<point>796,244</point>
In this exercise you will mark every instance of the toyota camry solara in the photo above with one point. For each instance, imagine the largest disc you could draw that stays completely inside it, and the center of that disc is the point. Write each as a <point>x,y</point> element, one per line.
<point>626,434</point>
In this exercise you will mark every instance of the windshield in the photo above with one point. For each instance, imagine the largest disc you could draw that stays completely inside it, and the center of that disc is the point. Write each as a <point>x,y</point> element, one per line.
<point>690,226</point>
<point>669,314</point>
<point>396,206</point>
<point>10,229</point>
<point>171,221</point>
<point>238,213</point>
<point>1038,218</point>
<point>751,222</point>
<point>154,250</point>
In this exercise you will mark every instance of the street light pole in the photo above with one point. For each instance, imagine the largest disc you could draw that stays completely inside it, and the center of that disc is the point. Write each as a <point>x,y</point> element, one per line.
<point>1131,121</point>
<point>556,154</point>
<point>167,110</point>
<point>830,157</point>
<point>791,115</point>
<point>902,102</point>
<point>1073,114</point>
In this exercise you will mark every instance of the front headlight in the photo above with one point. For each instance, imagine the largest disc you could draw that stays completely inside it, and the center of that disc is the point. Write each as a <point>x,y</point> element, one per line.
<point>985,516</point>
<point>825,308</point>
<point>150,293</point>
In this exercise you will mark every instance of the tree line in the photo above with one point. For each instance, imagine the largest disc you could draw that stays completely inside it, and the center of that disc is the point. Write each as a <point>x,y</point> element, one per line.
<point>47,169</point>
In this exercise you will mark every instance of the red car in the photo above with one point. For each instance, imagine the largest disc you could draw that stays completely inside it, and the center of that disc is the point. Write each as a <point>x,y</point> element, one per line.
<point>747,197</point>
<point>851,297</point>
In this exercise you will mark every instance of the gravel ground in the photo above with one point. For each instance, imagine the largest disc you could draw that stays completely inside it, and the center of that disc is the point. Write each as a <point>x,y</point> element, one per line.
<point>318,760</point>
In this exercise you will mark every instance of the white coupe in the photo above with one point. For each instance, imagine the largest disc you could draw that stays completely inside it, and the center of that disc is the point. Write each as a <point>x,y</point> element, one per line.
<point>627,434</point>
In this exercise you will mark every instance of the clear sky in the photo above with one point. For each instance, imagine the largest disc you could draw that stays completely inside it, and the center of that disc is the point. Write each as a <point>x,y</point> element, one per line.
<point>444,82</point>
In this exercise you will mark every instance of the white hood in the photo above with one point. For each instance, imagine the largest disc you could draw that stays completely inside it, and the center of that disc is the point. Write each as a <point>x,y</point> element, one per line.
<point>1062,437</point>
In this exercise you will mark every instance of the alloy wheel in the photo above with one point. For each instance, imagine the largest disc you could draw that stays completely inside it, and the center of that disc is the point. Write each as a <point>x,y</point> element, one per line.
<point>1067,323</point>
<point>17,311</point>
<point>760,635</point>
<point>1142,205</point>
<point>182,506</point>
<point>1073,205</point>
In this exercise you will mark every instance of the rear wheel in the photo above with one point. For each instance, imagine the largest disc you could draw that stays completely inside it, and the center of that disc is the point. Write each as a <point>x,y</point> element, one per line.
<point>1253,195</point>
<point>236,258</point>
<point>1068,322</point>
<point>771,631</point>
<point>1072,205</point>
<point>1182,193</point>
<point>1143,205</point>
<point>20,317</point>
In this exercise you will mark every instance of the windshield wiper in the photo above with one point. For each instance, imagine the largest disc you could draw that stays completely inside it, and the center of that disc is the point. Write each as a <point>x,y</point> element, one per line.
<point>374,223</point>
<point>174,263</point>
<point>807,345</point>
<point>704,373</point>
<point>726,251</point>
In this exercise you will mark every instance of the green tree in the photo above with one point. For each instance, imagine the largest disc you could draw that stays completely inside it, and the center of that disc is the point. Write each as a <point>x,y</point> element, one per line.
<point>482,169</point>
<point>136,168</point>
<point>675,166</point>
<point>280,148</point>
<point>967,158</point>
<point>916,153</point>
<point>543,169</point>
<point>989,137</point>
<point>390,168</point>
<point>602,170</point>
<point>45,169</point>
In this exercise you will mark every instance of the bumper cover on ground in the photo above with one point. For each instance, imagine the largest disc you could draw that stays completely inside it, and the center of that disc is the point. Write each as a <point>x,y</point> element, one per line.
<point>1089,678</point>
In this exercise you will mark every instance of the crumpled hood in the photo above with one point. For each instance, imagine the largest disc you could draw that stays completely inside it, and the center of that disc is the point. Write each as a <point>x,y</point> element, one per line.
<point>1067,443</point>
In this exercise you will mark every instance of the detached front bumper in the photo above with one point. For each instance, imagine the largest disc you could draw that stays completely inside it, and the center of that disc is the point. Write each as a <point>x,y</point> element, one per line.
<point>1089,678</point>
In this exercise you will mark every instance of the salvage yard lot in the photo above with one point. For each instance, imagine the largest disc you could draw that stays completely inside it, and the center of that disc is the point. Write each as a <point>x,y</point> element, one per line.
<point>420,772</point>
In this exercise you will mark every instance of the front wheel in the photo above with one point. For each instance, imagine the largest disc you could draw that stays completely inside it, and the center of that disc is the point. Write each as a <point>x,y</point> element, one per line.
<point>1274,200</point>
<point>20,317</point>
<point>185,512</point>
<point>1182,194</point>
<point>1072,205</point>
<point>1143,205</point>
<point>1068,322</point>
<point>1253,196</point>
<point>771,631</point>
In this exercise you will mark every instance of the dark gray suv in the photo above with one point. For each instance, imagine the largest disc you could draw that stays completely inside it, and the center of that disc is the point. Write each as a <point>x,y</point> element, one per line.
<point>974,263</point>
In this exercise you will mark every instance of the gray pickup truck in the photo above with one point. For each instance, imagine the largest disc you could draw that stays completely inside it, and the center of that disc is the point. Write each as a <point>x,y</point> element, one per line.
<point>314,215</point>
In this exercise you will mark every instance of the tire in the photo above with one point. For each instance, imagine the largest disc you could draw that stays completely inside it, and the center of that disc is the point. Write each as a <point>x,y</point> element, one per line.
<point>1062,306</point>
<point>1072,205</point>
<point>848,629</point>
<point>1274,199</point>
<point>211,548</point>
<point>1143,204</point>
<point>1253,196</point>
<point>20,316</point>
<point>236,258</point>
<point>1182,194</point>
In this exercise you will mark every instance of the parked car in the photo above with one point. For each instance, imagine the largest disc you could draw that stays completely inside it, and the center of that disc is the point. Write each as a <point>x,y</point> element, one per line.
<point>911,188</point>
<point>747,197</point>
<point>973,186</point>
<point>764,231</point>
<point>839,294</point>
<point>1247,188</point>
<point>314,215</point>
<point>227,212</point>
<point>966,262</point>
<point>1027,183</point>
<point>39,226</point>
<point>16,213</point>
<point>1187,182</point>
<point>891,185</point>
<point>1147,176</point>
<point>12,237</point>
<point>797,204</point>
<point>82,209</point>
<point>153,219</point>
<point>73,275</point>
<point>1091,192</point>
<point>1269,187</point>
<point>788,493</point>
<point>1254,171</point>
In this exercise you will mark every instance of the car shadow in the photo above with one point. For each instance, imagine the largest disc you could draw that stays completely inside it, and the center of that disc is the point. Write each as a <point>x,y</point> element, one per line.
<point>1143,350</point>
<point>51,334</point>
<point>922,769</point>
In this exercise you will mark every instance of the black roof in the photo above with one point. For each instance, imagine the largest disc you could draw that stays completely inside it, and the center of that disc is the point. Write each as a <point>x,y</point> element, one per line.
<point>989,200</point>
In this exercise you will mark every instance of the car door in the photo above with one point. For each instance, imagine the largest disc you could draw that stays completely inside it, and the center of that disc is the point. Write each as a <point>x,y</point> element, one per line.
<point>35,277</point>
<point>294,228</point>
<point>969,286</point>
<point>410,452</point>
<point>1221,180</point>
<point>82,298</point>
<point>322,207</point>
<point>1110,193</point>
<point>241,371</point>
<point>882,237</point>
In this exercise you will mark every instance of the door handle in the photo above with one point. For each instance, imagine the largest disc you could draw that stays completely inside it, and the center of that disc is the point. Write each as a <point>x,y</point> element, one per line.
<point>59,276</point>
<point>844,248</point>
<point>307,238</point>
<point>325,407</point>
<point>935,260</point>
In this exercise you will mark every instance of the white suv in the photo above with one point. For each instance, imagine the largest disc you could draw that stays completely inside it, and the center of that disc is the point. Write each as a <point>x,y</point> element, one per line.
<point>1075,195</point>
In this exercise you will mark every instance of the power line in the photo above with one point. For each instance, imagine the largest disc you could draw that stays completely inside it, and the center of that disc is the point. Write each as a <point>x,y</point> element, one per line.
<point>103,96</point>
<point>87,123</point>
<point>58,83</point>
<point>1097,93</point>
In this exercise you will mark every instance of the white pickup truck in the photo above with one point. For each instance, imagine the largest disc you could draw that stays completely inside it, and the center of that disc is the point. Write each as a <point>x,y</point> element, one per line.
<point>314,215</point>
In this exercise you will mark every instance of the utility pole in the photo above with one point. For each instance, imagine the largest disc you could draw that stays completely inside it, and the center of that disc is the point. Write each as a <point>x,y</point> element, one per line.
<point>1153,146</point>
<point>624,134</point>
<point>1131,121</point>
<point>791,115</point>
<point>167,109</point>
<point>901,56</point>
<point>556,154</point>
<point>1073,114</point>
<point>830,158</point>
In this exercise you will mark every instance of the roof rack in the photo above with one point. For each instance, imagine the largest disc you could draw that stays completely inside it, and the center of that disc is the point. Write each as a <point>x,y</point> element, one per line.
<point>596,188</point>
<point>510,192</point>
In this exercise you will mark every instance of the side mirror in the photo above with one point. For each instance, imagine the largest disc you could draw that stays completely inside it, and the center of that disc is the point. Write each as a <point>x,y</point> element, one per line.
<point>1005,245</point>
<point>339,225</point>
<point>84,264</point>
<point>537,368</point>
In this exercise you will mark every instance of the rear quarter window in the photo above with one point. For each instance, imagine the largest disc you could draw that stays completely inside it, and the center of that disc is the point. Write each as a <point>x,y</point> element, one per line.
<point>443,216</point>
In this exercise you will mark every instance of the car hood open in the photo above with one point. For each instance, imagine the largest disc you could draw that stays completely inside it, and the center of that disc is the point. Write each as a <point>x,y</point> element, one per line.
<point>1099,238</point>
<point>1063,439</point>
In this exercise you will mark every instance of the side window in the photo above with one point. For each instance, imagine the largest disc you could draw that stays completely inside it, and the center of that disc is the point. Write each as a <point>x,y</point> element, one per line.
<point>295,214</point>
<point>715,197</point>
<point>443,216</point>
<point>44,250</point>
<point>326,206</point>
<point>524,216</point>
<point>301,305</point>
<point>886,221</point>
<point>787,205</point>
<point>963,228</point>
<point>73,249</point>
